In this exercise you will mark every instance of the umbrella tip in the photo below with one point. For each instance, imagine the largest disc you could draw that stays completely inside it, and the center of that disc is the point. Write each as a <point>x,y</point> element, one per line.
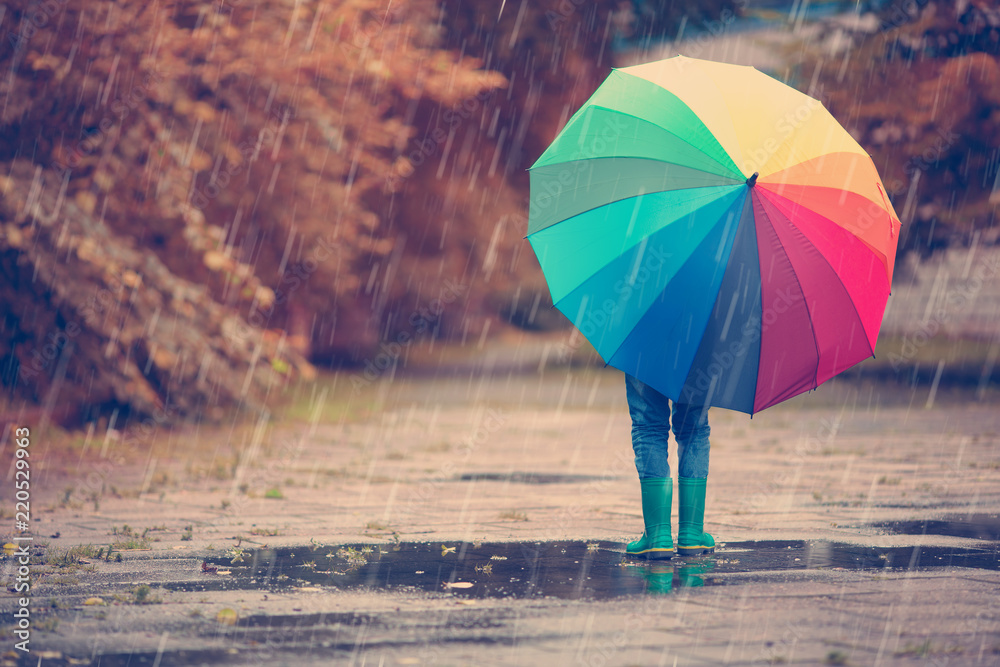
<point>752,180</point>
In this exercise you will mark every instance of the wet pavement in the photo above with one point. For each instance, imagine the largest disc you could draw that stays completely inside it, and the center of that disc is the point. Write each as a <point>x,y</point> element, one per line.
<point>446,522</point>
<point>976,526</point>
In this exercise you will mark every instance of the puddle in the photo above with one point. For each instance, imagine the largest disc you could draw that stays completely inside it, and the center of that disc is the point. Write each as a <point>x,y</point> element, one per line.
<point>976,526</point>
<point>564,570</point>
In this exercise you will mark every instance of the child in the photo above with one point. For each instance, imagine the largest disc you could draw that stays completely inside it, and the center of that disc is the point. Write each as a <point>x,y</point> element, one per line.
<point>651,420</point>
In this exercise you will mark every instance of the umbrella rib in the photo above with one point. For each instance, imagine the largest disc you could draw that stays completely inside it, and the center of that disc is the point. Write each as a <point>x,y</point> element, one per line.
<point>709,198</point>
<point>835,272</point>
<point>683,139</point>
<point>736,180</point>
<point>625,339</point>
<point>731,126</point>
<point>638,194</point>
<point>878,253</point>
<point>812,327</point>
<point>792,137</point>
<point>882,256</point>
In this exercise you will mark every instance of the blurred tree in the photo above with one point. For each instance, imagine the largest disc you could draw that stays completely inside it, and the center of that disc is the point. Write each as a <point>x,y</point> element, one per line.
<point>201,198</point>
<point>922,94</point>
<point>208,175</point>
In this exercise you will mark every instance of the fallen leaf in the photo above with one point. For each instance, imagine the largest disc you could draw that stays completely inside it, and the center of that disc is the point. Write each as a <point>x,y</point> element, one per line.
<point>227,616</point>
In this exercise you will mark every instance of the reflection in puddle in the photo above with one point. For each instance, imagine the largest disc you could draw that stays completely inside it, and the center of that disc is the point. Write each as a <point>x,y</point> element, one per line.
<point>565,570</point>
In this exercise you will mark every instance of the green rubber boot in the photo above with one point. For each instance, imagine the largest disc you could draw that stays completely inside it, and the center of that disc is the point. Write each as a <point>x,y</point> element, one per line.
<point>692,540</point>
<point>655,543</point>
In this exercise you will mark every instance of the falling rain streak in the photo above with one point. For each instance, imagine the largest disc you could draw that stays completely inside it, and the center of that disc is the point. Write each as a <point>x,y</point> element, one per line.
<point>299,392</point>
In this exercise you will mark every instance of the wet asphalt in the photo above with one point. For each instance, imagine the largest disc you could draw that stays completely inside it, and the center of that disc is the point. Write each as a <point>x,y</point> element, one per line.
<point>880,546</point>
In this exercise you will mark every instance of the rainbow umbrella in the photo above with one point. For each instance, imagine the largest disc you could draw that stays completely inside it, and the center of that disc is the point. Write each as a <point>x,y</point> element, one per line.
<point>714,233</point>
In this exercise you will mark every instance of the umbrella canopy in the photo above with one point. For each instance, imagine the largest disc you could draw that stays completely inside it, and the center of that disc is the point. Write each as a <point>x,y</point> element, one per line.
<point>714,233</point>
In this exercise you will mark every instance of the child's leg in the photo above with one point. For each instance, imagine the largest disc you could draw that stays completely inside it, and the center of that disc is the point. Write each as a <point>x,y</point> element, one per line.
<point>691,430</point>
<point>650,412</point>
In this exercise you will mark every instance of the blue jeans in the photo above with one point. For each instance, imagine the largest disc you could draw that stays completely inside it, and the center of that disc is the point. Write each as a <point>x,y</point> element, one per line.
<point>651,417</point>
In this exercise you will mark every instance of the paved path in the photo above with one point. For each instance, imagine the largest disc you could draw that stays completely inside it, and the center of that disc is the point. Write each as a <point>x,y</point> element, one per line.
<point>534,459</point>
